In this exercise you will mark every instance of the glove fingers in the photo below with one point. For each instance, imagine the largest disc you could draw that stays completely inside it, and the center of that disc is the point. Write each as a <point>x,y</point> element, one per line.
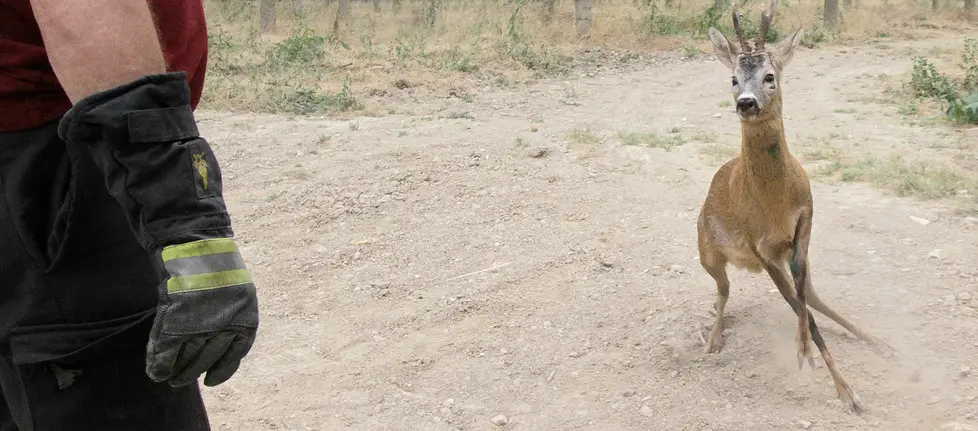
<point>171,356</point>
<point>227,365</point>
<point>211,352</point>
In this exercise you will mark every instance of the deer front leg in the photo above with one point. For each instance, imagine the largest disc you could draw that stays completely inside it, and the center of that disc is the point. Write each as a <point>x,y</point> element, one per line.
<point>845,392</point>
<point>799,269</point>
<point>775,269</point>
<point>719,273</point>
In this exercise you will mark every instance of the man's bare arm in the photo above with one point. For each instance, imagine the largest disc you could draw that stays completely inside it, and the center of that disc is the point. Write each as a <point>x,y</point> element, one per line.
<point>96,45</point>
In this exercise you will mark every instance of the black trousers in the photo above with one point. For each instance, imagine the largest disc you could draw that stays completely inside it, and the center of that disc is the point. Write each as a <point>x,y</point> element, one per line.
<point>77,300</point>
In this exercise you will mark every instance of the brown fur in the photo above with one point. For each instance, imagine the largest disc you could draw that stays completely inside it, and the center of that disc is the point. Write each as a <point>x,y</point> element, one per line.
<point>758,212</point>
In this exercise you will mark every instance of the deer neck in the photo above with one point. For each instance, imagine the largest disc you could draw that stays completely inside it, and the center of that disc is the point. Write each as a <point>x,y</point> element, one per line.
<point>764,151</point>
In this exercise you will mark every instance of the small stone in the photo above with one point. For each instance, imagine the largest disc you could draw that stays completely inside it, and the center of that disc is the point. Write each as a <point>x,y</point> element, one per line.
<point>936,254</point>
<point>503,351</point>
<point>674,374</point>
<point>449,402</point>
<point>538,152</point>
<point>965,371</point>
<point>550,377</point>
<point>646,410</point>
<point>500,420</point>
<point>922,221</point>
<point>627,394</point>
<point>805,424</point>
<point>965,297</point>
<point>751,374</point>
<point>678,269</point>
<point>717,115</point>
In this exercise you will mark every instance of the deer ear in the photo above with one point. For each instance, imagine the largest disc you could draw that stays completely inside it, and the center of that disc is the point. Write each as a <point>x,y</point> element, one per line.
<point>725,51</point>
<point>785,49</point>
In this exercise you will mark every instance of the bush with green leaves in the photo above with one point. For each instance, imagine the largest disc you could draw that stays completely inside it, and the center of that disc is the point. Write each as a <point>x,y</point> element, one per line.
<point>969,61</point>
<point>544,62</point>
<point>926,81</point>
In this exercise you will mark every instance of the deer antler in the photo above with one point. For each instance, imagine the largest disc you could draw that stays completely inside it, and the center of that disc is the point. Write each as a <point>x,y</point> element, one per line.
<point>740,32</point>
<point>766,18</point>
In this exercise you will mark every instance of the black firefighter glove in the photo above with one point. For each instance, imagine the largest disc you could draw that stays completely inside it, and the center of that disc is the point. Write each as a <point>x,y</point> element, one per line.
<point>144,138</point>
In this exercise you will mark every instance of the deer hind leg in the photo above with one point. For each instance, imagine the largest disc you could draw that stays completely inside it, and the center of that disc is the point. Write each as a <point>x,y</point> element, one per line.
<point>816,303</point>
<point>716,267</point>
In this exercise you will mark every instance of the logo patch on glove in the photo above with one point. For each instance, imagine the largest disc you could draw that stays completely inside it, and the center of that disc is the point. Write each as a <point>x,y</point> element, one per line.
<point>200,165</point>
<point>204,171</point>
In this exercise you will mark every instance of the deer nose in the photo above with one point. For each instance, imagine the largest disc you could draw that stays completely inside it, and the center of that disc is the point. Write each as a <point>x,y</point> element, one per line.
<point>746,103</point>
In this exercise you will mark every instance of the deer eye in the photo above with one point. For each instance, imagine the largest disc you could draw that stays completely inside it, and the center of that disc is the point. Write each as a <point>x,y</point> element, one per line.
<point>733,80</point>
<point>769,78</point>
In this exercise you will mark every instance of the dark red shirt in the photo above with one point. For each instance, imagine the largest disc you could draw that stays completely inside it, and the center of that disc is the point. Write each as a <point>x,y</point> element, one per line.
<point>30,95</point>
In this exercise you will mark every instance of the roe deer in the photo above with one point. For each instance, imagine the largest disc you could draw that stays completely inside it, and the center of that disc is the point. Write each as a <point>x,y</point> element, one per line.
<point>758,211</point>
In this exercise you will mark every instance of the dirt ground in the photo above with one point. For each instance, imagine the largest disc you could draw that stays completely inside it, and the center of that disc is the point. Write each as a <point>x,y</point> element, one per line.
<point>478,265</point>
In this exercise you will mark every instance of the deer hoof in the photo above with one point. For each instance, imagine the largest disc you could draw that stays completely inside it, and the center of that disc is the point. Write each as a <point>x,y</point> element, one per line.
<point>805,350</point>
<point>850,399</point>
<point>713,345</point>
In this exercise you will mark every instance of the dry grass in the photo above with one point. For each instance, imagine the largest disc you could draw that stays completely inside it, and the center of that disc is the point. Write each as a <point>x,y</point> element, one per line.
<point>652,140</point>
<point>313,64</point>
<point>582,138</point>
<point>925,180</point>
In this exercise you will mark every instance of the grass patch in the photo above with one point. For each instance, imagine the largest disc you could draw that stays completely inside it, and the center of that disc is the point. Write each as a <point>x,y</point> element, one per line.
<point>283,77</point>
<point>651,140</point>
<point>824,153</point>
<point>917,179</point>
<point>317,62</point>
<point>582,138</point>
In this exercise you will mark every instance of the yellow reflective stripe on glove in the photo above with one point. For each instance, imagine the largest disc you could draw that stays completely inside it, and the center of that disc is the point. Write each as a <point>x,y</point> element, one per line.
<point>203,265</point>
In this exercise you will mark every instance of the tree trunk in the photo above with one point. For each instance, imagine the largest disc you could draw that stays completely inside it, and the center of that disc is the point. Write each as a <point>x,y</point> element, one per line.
<point>934,5</point>
<point>582,10</point>
<point>266,15</point>
<point>969,4</point>
<point>831,13</point>
<point>719,4</point>
<point>548,10</point>
<point>344,11</point>
<point>377,9</point>
<point>849,4</point>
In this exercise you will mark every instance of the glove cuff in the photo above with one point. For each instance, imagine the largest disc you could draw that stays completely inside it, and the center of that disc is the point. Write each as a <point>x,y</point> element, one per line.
<point>89,117</point>
<point>144,139</point>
